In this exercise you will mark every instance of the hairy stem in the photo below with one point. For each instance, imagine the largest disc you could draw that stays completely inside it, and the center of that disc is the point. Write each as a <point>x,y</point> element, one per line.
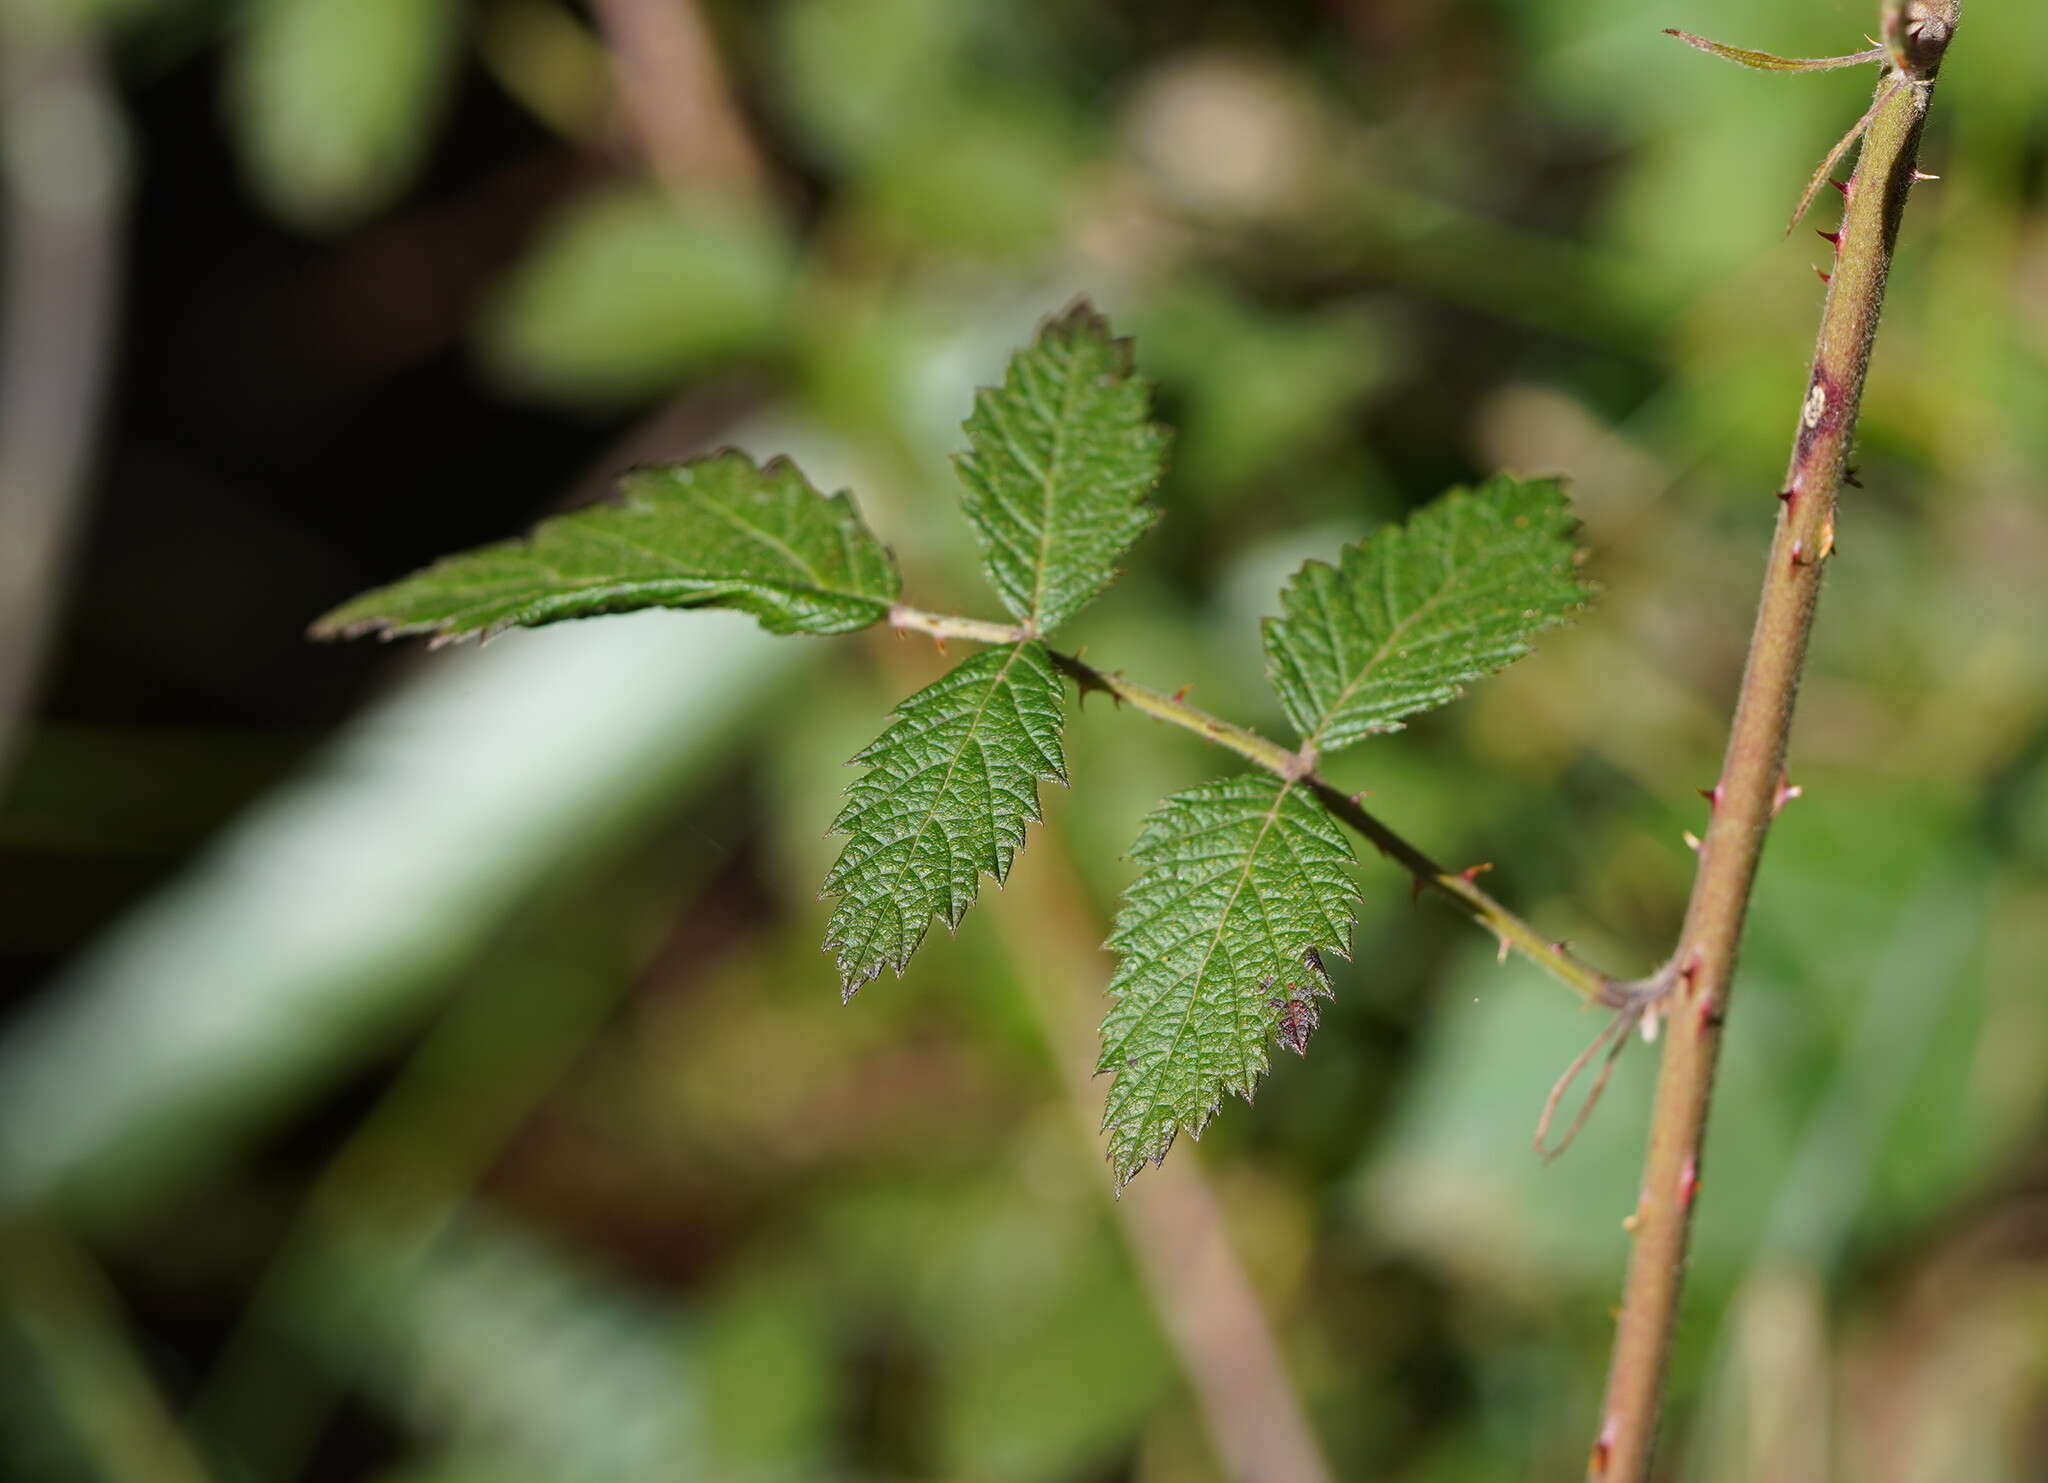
<point>1456,886</point>
<point>1752,785</point>
<point>1174,711</point>
<point>944,626</point>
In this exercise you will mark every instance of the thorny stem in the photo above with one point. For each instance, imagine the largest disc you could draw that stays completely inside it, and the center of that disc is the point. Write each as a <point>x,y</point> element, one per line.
<point>1752,786</point>
<point>1457,886</point>
<point>944,626</point>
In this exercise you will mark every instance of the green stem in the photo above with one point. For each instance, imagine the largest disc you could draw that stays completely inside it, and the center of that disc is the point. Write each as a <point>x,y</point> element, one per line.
<point>944,626</point>
<point>1752,786</point>
<point>1456,886</point>
<point>1174,711</point>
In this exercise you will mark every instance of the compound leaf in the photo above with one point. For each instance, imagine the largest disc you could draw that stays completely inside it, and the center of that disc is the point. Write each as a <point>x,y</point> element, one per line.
<point>1245,882</point>
<point>715,532</point>
<point>1059,460</point>
<point>951,784</point>
<point>1409,617</point>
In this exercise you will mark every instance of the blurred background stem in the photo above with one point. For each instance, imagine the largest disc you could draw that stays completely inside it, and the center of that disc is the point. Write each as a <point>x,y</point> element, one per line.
<point>673,88</point>
<point>63,193</point>
<point>1200,1293</point>
<point>97,1391</point>
<point>469,1087</point>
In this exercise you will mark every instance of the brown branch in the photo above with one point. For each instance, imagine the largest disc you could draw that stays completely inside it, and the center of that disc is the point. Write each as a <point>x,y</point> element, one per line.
<point>1752,786</point>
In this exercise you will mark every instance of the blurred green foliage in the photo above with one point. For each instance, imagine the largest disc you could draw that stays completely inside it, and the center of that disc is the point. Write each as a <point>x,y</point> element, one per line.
<point>628,294</point>
<point>477,1105</point>
<point>336,100</point>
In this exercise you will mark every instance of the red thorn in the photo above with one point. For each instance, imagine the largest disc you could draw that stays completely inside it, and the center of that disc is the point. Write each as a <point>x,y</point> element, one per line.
<point>1180,695</point>
<point>1710,1013</point>
<point>1833,239</point>
<point>1689,974</point>
<point>1472,873</point>
<point>1688,1181</point>
<point>1604,1447</point>
<point>1842,186</point>
<point>1560,947</point>
<point>1503,951</point>
<point>1799,557</point>
<point>1824,277</point>
<point>1787,791</point>
<point>939,643</point>
<point>1712,795</point>
<point>1787,496</point>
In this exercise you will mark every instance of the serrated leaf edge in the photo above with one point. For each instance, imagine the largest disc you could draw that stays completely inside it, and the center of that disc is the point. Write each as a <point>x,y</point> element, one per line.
<point>1361,550</point>
<point>1108,1062</point>
<point>1080,318</point>
<point>622,496</point>
<point>1054,770</point>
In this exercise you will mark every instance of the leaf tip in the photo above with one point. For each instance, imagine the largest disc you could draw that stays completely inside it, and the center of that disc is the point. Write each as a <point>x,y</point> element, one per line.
<point>1080,317</point>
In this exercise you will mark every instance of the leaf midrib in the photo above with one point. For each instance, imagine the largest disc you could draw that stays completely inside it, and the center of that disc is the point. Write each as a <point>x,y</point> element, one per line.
<point>1223,918</point>
<point>765,538</point>
<point>1381,650</point>
<point>1069,389</point>
<point>995,683</point>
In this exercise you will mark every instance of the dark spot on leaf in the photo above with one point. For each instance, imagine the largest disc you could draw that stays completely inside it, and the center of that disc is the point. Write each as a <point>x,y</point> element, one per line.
<point>1296,1012</point>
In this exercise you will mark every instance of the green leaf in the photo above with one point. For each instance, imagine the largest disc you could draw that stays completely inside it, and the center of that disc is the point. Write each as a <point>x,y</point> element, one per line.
<point>865,80</point>
<point>1409,617</point>
<point>1059,460</point>
<point>953,780</point>
<point>336,100</point>
<point>715,532</point>
<point>628,292</point>
<point>1245,882</point>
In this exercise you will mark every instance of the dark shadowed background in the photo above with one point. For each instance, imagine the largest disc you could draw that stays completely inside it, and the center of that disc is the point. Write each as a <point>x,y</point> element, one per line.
<point>420,1067</point>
